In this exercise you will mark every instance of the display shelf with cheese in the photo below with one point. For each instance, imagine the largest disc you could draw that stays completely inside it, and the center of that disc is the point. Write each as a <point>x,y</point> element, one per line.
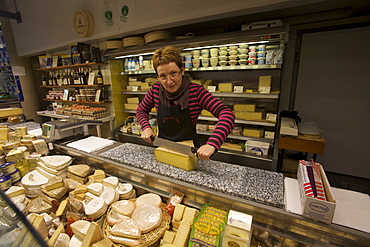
<point>72,66</point>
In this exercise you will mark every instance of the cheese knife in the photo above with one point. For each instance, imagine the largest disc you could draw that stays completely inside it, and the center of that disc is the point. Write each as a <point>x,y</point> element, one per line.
<point>174,146</point>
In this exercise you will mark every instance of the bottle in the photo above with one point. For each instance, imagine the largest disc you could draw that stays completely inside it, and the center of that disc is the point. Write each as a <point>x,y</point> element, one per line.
<point>59,80</point>
<point>51,79</point>
<point>141,63</point>
<point>99,77</point>
<point>43,79</point>
<point>75,77</point>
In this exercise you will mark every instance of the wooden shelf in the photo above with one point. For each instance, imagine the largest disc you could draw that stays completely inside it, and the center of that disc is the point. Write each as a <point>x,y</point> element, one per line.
<point>85,102</point>
<point>75,85</point>
<point>72,66</point>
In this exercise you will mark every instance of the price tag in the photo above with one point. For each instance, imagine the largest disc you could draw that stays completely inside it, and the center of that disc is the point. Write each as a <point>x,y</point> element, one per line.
<point>97,95</point>
<point>238,89</point>
<point>264,89</point>
<point>135,88</point>
<point>91,78</point>
<point>211,89</point>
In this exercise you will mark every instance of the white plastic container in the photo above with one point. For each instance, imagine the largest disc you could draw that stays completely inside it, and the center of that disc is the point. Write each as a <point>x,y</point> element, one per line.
<point>261,48</point>
<point>252,54</point>
<point>261,60</point>
<point>257,147</point>
<point>252,48</point>
<point>251,61</point>
<point>205,53</point>
<point>214,52</point>
<point>205,62</point>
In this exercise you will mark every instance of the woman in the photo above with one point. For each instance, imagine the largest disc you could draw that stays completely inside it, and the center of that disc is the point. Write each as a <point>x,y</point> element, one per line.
<point>179,102</point>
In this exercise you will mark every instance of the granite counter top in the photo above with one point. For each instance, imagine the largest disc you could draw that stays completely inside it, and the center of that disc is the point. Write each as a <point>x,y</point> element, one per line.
<point>257,185</point>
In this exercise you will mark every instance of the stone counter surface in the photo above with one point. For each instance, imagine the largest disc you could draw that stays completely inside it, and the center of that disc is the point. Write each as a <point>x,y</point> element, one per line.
<point>257,185</point>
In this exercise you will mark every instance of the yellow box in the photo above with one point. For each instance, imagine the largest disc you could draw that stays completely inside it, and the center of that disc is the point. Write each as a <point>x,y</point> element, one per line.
<point>253,132</point>
<point>6,112</point>
<point>247,115</point>
<point>225,87</point>
<point>129,106</point>
<point>175,159</point>
<point>244,107</point>
<point>133,100</point>
<point>264,81</point>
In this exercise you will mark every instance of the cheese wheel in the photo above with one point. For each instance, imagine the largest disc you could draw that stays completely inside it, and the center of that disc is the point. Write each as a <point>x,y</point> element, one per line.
<point>149,199</point>
<point>56,162</point>
<point>110,195</point>
<point>128,228</point>
<point>148,217</point>
<point>125,241</point>
<point>124,189</point>
<point>95,188</point>
<point>110,182</point>
<point>96,208</point>
<point>124,207</point>
<point>114,217</point>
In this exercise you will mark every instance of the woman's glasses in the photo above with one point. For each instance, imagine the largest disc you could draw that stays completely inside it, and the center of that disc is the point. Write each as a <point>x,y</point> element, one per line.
<point>172,76</point>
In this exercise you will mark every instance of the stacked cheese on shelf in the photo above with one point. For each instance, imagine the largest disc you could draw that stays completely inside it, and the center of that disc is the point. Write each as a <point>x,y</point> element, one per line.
<point>182,221</point>
<point>54,165</point>
<point>78,173</point>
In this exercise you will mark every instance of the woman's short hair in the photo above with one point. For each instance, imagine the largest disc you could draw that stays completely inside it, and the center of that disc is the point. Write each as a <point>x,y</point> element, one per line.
<point>167,55</point>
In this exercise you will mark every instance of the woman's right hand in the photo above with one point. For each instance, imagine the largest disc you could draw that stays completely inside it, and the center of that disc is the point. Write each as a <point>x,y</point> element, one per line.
<point>146,134</point>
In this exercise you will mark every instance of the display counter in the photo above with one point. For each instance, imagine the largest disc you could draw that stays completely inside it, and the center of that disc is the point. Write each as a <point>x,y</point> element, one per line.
<point>253,191</point>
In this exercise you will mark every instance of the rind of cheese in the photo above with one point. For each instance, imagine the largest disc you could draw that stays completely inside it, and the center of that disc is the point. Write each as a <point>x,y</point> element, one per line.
<point>56,162</point>
<point>95,188</point>
<point>127,228</point>
<point>125,241</point>
<point>76,178</point>
<point>103,243</point>
<point>148,217</point>
<point>55,235</point>
<point>40,146</point>
<point>111,182</point>
<point>124,207</point>
<point>33,178</point>
<point>93,235</point>
<point>80,227</point>
<point>179,160</point>
<point>62,241</point>
<point>56,193</point>
<point>63,207</point>
<point>190,214</point>
<point>96,207</point>
<point>14,191</point>
<point>124,189</point>
<point>75,241</point>
<point>80,170</point>
<point>114,217</point>
<point>110,195</point>
<point>50,175</point>
<point>99,174</point>
<point>178,212</point>
<point>53,183</point>
<point>149,199</point>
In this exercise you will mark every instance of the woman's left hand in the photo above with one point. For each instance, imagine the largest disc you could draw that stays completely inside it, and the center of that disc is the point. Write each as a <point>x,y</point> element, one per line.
<point>205,152</point>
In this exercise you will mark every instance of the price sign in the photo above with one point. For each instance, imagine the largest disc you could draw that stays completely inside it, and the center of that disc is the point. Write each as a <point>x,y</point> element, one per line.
<point>238,89</point>
<point>211,89</point>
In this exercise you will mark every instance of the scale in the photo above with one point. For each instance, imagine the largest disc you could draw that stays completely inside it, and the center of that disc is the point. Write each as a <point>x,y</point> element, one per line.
<point>61,128</point>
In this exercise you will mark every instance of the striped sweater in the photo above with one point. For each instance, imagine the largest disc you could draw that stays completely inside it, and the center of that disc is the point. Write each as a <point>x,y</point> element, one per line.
<point>199,99</point>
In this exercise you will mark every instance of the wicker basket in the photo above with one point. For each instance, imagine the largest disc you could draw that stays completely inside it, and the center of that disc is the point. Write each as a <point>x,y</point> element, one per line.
<point>149,238</point>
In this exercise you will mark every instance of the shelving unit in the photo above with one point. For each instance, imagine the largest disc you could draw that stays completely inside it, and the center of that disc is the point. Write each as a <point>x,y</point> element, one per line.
<point>72,66</point>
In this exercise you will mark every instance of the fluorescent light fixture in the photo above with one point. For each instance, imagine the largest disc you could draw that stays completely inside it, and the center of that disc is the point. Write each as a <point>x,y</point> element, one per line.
<point>135,55</point>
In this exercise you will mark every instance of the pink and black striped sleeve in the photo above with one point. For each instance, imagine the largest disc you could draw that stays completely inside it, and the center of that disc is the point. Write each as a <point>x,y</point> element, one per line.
<point>151,99</point>
<point>222,112</point>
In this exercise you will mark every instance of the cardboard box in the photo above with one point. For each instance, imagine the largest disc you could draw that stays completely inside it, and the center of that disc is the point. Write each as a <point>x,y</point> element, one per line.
<point>244,107</point>
<point>225,87</point>
<point>312,207</point>
<point>253,132</point>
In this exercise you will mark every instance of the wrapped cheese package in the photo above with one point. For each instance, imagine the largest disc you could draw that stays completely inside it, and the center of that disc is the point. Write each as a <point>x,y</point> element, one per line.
<point>127,228</point>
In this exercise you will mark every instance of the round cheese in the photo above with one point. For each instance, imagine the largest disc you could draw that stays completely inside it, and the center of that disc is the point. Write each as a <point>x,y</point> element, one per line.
<point>124,189</point>
<point>124,207</point>
<point>110,182</point>
<point>114,217</point>
<point>148,217</point>
<point>96,208</point>
<point>125,241</point>
<point>127,228</point>
<point>110,195</point>
<point>56,162</point>
<point>149,199</point>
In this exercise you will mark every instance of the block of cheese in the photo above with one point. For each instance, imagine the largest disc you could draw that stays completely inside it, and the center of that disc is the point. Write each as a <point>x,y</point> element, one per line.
<point>80,170</point>
<point>53,183</point>
<point>77,178</point>
<point>80,227</point>
<point>190,214</point>
<point>247,115</point>
<point>99,174</point>
<point>169,236</point>
<point>62,241</point>
<point>244,107</point>
<point>110,182</point>
<point>125,241</point>
<point>253,132</point>
<point>225,87</point>
<point>72,184</point>
<point>124,190</point>
<point>95,188</point>
<point>50,170</point>
<point>15,191</point>
<point>127,228</point>
<point>148,217</point>
<point>38,206</point>
<point>124,207</point>
<point>264,82</point>
<point>50,175</point>
<point>238,232</point>
<point>40,146</point>
<point>131,106</point>
<point>114,217</point>
<point>63,207</point>
<point>93,235</point>
<point>56,162</point>
<point>80,189</point>
<point>237,241</point>
<point>133,100</point>
<point>110,195</point>
<point>103,243</point>
<point>55,235</point>
<point>4,133</point>
<point>75,241</point>
<point>149,199</point>
<point>182,234</point>
<point>96,208</point>
<point>33,181</point>
<point>56,193</point>
<point>172,158</point>
<point>178,212</point>
<point>90,196</point>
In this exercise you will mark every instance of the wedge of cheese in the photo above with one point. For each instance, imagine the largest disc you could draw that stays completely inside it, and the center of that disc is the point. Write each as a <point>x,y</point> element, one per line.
<point>95,188</point>
<point>103,243</point>
<point>93,235</point>
<point>77,178</point>
<point>15,191</point>
<point>110,182</point>
<point>127,228</point>
<point>80,170</point>
<point>53,183</point>
<point>110,195</point>
<point>80,227</point>
<point>172,158</point>
<point>125,241</point>
<point>50,170</point>
<point>55,235</point>
<point>114,217</point>
<point>96,208</point>
<point>124,207</point>
<point>62,241</point>
<point>56,162</point>
<point>75,241</point>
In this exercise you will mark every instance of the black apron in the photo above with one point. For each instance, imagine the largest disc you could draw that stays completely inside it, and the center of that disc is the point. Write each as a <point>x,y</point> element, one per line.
<point>175,124</point>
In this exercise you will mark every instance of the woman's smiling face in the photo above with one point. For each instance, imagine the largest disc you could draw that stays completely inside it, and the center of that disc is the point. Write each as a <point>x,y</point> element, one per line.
<point>170,75</point>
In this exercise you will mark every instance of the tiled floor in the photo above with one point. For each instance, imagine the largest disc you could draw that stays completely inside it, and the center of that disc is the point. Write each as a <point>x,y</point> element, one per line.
<point>337,180</point>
